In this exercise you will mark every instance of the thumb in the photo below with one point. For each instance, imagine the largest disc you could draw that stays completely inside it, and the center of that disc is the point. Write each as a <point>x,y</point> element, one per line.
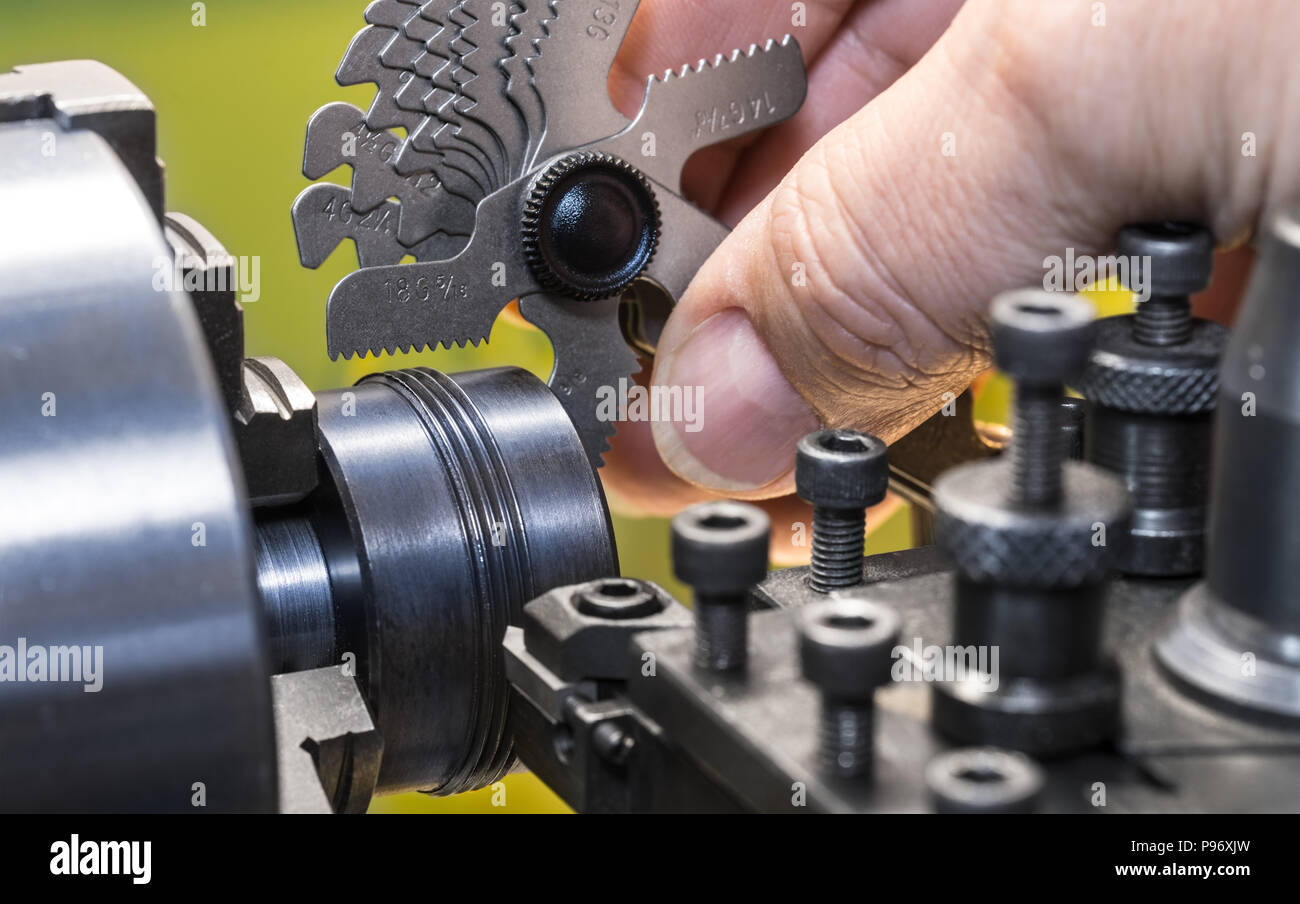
<point>853,296</point>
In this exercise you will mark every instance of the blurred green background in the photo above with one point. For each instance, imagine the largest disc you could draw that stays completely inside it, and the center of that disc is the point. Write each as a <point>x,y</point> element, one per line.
<point>233,98</point>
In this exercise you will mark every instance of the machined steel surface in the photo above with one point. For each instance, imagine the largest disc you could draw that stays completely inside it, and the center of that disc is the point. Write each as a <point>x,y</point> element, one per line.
<point>1033,539</point>
<point>88,95</point>
<point>297,601</point>
<point>123,523</point>
<point>984,780</point>
<point>720,549</point>
<point>842,473</point>
<point>396,537</point>
<point>844,650</point>
<point>451,502</point>
<point>1237,636</point>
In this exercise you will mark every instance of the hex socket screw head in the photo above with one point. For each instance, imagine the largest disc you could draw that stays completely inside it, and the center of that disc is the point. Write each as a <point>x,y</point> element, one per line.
<point>617,599</point>
<point>721,550</point>
<point>1174,260</point>
<point>842,473</point>
<point>1181,255</point>
<point>1041,340</point>
<point>845,650</point>
<point>984,780</point>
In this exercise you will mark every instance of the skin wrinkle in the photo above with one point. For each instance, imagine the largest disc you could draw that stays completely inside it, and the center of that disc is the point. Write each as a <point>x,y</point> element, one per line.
<point>943,341</point>
<point>861,241</point>
<point>935,342</point>
<point>872,328</point>
<point>887,187</point>
<point>890,330</point>
<point>817,300</point>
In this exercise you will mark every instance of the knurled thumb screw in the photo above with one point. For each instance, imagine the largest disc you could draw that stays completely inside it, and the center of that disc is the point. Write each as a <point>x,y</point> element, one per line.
<point>1174,261</point>
<point>842,473</point>
<point>721,550</point>
<point>1040,340</point>
<point>845,650</point>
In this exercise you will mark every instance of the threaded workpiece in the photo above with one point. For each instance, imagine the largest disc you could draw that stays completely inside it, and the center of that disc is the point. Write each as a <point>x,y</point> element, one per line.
<point>1163,320</point>
<point>721,632</point>
<point>837,539</point>
<point>845,738</point>
<point>1037,446</point>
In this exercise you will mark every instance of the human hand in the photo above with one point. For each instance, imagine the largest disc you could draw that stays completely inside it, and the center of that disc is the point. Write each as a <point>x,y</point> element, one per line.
<point>1028,128</point>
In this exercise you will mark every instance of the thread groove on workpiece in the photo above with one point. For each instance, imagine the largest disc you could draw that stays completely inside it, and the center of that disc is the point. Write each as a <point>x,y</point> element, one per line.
<point>1037,446</point>
<point>845,741</point>
<point>721,632</point>
<point>837,541</point>
<point>486,498</point>
<point>1163,320</point>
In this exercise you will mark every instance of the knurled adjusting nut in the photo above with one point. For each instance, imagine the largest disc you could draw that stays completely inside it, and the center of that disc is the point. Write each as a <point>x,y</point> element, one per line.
<point>1128,375</point>
<point>990,541</point>
<point>590,225</point>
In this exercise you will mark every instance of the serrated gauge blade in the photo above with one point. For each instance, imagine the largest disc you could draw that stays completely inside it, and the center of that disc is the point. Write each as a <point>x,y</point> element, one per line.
<point>592,362</point>
<point>409,307</point>
<point>337,135</point>
<point>361,65</point>
<point>697,106</point>
<point>323,217</point>
<point>570,67</point>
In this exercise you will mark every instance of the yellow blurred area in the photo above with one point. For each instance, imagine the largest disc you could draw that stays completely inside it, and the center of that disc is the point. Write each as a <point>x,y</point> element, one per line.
<point>515,794</point>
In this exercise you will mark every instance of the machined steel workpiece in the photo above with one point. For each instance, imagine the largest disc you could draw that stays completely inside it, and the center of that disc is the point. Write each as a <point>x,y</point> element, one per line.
<point>518,179</point>
<point>1033,539</point>
<point>1073,420</point>
<point>1151,384</point>
<point>431,530</point>
<point>842,473</point>
<point>844,649</point>
<point>1236,636</point>
<point>721,550</point>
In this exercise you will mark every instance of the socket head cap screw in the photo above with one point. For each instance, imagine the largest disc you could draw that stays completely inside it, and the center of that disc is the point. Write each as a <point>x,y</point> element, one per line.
<point>841,469</point>
<point>721,548</point>
<point>1041,338</point>
<point>1181,256</point>
<point>845,646</point>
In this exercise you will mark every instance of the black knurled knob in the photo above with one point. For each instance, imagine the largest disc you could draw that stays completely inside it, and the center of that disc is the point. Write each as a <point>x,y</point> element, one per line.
<point>591,225</point>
